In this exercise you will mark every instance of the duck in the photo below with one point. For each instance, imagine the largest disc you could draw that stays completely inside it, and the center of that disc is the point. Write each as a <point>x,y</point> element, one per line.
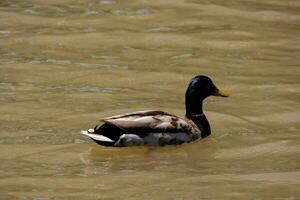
<point>159,128</point>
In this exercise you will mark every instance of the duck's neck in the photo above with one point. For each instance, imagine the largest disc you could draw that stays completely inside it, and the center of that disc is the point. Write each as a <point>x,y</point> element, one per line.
<point>195,113</point>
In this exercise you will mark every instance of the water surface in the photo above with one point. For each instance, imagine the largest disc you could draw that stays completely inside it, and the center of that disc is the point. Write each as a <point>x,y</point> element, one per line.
<point>66,64</point>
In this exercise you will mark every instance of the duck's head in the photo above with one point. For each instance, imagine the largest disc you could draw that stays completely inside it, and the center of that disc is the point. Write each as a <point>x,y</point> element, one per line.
<point>202,87</point>
<point>198,89</point>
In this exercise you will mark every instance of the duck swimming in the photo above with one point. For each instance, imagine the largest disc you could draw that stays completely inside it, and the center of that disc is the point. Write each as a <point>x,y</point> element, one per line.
<point>158,128</point>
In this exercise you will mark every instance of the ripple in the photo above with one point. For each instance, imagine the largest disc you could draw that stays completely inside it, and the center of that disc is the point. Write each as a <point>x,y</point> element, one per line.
<point>290,177</point>
<point>128,11</point>
<point>31,11</point>
<point>78,141</point>
<point>50,61</point>
<point>181,56</point>
<point>203,28</point>
<point>59,62</point>
<point>83,30</point>
<point>60,88</point>
<point>34,62</point>
<point>88,65</point>
<point>160,29</point>
<point>86,88</point>
<point>93,65</point>
<point>35,9</point>
<point>92,12</point>
<point>5,32</point>
<point>105,57</point>
<point>288,117</point>
<point>106,2</point>
<point>130,49</point>
<point>282,147</point>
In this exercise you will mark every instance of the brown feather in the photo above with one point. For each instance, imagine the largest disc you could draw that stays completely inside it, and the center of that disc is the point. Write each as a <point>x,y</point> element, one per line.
<point>152,121</point>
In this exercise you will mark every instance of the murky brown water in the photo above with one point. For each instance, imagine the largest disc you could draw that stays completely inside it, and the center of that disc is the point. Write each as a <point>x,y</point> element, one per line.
<point>65,64</point>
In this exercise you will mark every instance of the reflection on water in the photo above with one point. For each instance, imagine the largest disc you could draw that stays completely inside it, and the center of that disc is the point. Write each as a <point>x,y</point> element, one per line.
<point>66,64</point>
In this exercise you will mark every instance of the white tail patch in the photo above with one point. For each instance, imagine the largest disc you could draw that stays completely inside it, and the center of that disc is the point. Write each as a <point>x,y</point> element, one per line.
<point>96,136</point>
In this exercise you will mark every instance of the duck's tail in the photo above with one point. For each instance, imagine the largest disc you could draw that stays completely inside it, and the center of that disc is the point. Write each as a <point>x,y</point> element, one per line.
<point>100,139</point>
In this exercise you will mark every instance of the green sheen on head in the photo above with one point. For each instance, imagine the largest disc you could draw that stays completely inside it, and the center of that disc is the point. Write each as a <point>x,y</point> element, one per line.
<point>202,86</point>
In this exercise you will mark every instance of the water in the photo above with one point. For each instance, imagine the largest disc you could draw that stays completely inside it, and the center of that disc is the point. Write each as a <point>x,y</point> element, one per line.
<point>66,64</point>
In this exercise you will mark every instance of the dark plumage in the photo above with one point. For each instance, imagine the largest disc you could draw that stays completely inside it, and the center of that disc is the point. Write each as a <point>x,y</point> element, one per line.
<point>158,128</point>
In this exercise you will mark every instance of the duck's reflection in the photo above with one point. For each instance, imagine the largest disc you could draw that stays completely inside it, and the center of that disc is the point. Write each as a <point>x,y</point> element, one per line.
<point>103,160</point>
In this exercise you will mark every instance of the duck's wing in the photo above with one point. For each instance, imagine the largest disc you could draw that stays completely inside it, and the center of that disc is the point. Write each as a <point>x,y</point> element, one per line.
<point>152,121</point>
<point>143,127</point>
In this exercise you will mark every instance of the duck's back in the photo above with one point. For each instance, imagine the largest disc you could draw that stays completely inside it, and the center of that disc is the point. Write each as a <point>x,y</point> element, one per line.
<point>154,128</point>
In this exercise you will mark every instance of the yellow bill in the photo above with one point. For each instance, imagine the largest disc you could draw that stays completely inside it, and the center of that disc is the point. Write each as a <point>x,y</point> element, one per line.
<point>220,93</point>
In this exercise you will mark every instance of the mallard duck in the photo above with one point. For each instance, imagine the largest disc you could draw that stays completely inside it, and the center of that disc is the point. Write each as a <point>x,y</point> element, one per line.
<point>158,128</point>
